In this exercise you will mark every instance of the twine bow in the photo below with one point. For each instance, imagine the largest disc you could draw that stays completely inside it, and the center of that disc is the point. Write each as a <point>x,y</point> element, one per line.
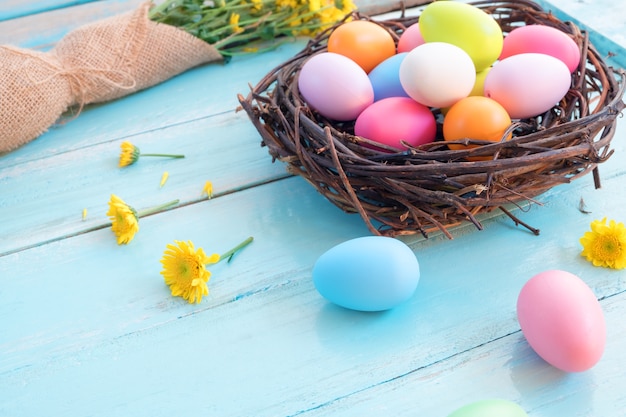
<point>80,78</point>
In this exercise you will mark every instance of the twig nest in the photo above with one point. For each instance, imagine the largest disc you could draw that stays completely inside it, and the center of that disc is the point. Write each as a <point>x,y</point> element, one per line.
<point>435,186</point>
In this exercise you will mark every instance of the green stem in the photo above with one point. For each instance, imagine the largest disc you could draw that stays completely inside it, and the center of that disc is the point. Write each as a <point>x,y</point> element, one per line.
<point>156,209</point>
<point>164,155</point>
<point>155,11</point>
<point>234,250</point>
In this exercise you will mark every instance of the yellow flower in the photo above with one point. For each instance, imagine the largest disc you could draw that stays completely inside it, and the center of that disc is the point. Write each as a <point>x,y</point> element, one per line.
<point>314,5</point>
<point>286,4</point>
<point>208,189</point>
<point>131,153</point>
<point>234,22</point>
<point>184,268</point>
<point>164,178</point>
<point>605,245</point>
<point>237,27</point>
<point>125,219</point>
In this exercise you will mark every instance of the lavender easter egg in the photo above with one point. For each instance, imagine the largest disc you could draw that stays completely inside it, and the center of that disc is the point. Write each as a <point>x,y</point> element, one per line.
<point>335,86</point>
<point>371,273</point>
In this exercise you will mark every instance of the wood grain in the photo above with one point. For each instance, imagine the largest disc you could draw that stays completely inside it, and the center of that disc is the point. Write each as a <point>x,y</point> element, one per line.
<point>50,21</point>
<point>88,328</point>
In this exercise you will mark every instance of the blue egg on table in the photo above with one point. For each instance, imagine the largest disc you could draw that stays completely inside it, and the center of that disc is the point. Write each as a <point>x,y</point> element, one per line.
<point>371,273</point>
<point>385,78</point>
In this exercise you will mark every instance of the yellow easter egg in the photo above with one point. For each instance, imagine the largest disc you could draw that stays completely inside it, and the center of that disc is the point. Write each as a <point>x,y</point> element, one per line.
<point>465,26</point>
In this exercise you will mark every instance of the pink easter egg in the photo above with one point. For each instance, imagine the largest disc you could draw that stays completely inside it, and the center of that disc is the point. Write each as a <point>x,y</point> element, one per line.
<point>410,39</point>
<point>542,40</point>
<point>395,119</point>
<point>527,85</point>
<point>562,320</point>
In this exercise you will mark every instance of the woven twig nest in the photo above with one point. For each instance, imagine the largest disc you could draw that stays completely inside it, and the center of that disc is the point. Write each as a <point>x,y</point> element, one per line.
<point>431,187</point>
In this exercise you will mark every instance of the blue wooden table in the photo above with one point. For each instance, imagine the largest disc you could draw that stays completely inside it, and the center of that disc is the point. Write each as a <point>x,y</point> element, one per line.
<point>88,328</point>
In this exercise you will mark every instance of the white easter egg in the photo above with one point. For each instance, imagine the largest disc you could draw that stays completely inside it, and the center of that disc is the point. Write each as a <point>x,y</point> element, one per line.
<point>437,74</point>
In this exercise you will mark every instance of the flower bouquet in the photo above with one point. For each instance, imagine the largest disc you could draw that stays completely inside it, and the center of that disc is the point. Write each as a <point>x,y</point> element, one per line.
<point>123,54</point>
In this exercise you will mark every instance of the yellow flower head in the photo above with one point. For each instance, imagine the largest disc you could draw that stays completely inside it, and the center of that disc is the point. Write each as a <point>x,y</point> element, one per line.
<point>130,154</point>
<point>184,270</point>
<point>605,245</point>
<point>314,5</point>
<point>257,5</point>
<point>164,178</point>
<point>124,220</point>
<point>208,189</point>
<point>233,21</point>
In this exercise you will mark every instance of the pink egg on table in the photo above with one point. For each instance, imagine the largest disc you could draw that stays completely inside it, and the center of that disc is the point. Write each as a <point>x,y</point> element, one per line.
<point>562,320</point>
<point>335,86</point>
<point>542,40</point>
<point>392,120</point>
<point>410,39</point>
<point>527,85</point>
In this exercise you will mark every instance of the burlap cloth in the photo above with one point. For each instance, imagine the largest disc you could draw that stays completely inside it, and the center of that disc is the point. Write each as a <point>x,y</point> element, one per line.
<point>94,63</point>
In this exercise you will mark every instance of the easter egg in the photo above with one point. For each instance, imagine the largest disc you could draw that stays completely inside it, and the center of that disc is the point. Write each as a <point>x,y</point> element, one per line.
<point>465,26</point>
<point>527,85</point>
<point>542,40</point>
<point>562,320</point>
<point>490,408</point>
<point>335,86</point>
<point>371,273</point>
<point>385,78</point>
<point>410,39</point>
<point>437,74</point>
<point>479,84</point>
<point>475,117</point>
<point>395,119</point>
<point>363,41</point>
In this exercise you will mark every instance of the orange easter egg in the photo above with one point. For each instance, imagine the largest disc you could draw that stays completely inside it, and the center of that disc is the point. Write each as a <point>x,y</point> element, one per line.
<point>364,42</point>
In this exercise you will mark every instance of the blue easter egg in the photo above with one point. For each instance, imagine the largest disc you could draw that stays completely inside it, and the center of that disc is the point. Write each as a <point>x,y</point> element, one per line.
<point>371,273</point>
<point>385,78</point>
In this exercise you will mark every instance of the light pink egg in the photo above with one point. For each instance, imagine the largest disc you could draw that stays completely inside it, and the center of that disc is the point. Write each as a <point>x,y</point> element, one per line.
<point>542,40</point>
<point>562,320</point>
<point>410,39</point>
<point>392,120</point>
<point>527,85</point>
<point>335,86</point>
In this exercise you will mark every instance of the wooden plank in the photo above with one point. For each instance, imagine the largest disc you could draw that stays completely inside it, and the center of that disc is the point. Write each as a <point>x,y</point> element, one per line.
<point>265,333</point>
<point>11,9</point>
<point>88,327</point>
<point>208,90</point>
<point>44,29</point>
<point>46,196</point>
<point>506,368</point>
